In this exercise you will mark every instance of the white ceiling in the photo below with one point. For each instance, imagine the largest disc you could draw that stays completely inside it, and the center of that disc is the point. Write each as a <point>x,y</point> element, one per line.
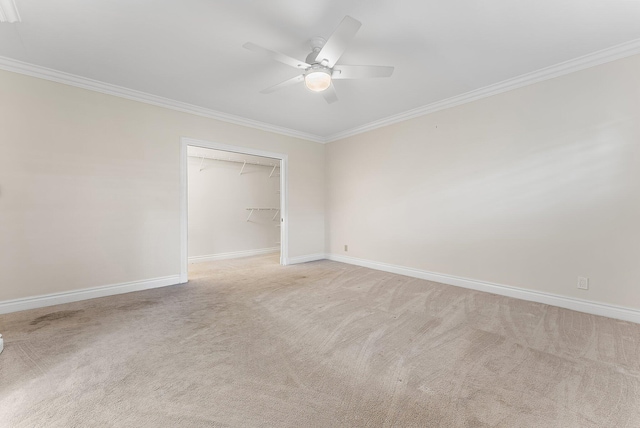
<point>191,50</point>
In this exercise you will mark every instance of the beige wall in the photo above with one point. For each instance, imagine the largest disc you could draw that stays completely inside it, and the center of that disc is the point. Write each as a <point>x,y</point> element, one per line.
<point>531,188</point>
<point>89,187</point>
<point>218,200</point>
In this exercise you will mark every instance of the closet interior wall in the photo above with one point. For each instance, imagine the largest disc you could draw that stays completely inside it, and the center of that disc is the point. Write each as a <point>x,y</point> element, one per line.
<point>233,204</point>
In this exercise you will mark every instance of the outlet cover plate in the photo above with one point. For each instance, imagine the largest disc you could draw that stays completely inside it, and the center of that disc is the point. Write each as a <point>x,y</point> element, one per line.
<point>583,283</point>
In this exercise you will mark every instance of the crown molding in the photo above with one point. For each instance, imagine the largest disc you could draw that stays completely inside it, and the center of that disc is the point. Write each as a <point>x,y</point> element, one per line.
<point>21,67</point>
<point>613,53</point>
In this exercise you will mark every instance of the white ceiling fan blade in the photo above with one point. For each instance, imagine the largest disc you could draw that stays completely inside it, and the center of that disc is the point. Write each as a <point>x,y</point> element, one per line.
<point>284,84</point>
<point>338,42</point>
<point>361,71</point>
<point>330,95</point>
<point>280,57</point>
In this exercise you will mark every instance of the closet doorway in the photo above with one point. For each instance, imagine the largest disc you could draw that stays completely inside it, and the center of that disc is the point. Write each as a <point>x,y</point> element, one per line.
<point>233,203</point>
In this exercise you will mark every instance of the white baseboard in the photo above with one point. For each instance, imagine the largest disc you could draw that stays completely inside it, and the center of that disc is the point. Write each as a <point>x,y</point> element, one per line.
<point>16,305</point>
<point>602,309</point>
<point>611,311</point>
<point>232,255</point>
<point>305,259</point>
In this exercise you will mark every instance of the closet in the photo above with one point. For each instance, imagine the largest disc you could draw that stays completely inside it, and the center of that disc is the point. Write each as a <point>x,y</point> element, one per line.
<point>233,205</point>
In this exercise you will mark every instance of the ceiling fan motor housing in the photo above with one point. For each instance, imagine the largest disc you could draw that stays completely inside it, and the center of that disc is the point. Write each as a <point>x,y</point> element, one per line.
<point>317,43</point>
<point>317,77</point>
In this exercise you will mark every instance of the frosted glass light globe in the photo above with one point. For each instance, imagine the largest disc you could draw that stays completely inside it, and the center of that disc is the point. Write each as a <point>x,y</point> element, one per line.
<point>317,80</point>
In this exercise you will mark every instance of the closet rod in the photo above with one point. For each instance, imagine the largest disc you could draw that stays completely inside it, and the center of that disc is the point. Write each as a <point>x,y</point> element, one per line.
<point>276,165</point>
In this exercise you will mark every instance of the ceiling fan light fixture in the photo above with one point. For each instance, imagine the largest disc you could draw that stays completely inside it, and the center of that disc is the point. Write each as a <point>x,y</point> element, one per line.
<point>317,79</point>
<point>321,66</point>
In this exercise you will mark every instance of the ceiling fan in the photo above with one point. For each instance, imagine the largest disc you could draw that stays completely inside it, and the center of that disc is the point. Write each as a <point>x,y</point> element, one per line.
<point>320,68</point>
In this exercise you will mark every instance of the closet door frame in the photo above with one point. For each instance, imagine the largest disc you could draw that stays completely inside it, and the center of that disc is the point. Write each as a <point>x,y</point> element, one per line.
<point>184,206</point>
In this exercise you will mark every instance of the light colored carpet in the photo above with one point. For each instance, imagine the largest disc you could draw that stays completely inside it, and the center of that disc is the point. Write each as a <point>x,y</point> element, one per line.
<point>248,343</point>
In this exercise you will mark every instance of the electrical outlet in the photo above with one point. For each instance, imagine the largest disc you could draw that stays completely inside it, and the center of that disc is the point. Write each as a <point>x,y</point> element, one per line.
<point>583,283</point>
<point>346,247</point>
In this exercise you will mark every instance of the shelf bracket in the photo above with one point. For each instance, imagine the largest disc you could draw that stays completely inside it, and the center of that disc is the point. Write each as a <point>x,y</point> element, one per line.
<point>273,170</point>
<point>201,163</point>
<point>249,215</point>
<point>275,215</point>
<point>242,169</point>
